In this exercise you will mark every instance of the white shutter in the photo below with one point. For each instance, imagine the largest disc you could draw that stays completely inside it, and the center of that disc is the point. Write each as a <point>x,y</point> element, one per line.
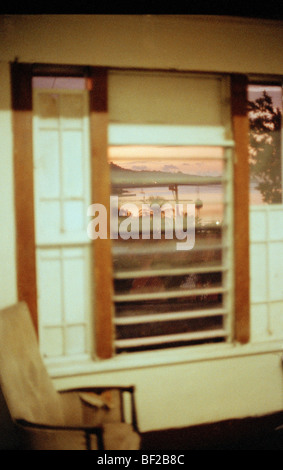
<point>62,195</point>
<point>266,271</point>
<point>158,108</point>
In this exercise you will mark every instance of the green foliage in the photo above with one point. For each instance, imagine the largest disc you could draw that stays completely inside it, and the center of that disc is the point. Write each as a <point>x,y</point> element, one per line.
<point>265,148</point>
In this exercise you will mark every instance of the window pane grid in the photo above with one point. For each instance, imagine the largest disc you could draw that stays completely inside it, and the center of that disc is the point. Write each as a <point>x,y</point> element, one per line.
<point>62,194</point>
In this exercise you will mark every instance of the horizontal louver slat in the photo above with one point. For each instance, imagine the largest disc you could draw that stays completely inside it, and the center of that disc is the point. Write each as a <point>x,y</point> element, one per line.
<point>169,316</point>
<point>133,180</point>
<point>160,248</point>
<point>167,272</point>
<point>168,294</point>
<point>182,337</point>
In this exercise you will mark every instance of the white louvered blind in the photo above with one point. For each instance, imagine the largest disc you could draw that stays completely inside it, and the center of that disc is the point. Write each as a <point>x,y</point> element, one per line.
<point>167,144</point>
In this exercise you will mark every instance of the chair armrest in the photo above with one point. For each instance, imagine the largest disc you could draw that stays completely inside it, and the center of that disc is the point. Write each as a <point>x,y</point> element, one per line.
<point>122,389</point>
<point>93,388</point>
<point>87,430</point>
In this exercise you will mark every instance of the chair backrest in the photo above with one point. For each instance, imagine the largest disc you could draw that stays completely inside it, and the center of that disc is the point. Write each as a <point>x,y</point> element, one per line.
<point>26,385</point>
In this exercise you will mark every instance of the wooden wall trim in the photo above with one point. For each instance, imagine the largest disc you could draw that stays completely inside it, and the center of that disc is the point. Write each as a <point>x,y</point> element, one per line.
<point>100,182</point>
<point>21,84</point>
<point>240,125</point>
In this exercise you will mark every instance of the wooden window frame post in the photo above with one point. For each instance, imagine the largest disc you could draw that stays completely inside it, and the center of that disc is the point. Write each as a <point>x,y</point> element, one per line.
<point>21,85</point>
<point>100,190</point>
<point>240,124</point>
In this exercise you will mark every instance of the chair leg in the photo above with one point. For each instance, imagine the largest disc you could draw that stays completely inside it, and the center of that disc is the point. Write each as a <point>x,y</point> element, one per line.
<point>99,437</point>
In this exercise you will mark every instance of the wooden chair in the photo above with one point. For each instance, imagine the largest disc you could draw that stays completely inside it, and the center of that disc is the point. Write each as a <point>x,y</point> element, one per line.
<point>89,418</point>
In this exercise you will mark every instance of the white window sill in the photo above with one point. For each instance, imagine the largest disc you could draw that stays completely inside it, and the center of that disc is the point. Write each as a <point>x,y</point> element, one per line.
<point>74,367</point>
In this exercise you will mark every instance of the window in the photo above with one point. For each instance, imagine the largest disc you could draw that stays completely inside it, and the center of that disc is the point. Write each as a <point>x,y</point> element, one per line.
<point>266,213</point>
<point>154,137</point>
<point>62,194</point>
<point>167,147</point>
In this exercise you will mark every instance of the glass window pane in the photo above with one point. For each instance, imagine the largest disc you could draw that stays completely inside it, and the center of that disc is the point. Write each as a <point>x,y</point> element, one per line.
<point>151,277</point>
<point>74,83</point>
<point>265,113</point>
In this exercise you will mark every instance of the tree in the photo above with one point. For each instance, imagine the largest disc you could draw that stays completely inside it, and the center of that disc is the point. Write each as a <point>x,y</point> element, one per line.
<point>265,148</point>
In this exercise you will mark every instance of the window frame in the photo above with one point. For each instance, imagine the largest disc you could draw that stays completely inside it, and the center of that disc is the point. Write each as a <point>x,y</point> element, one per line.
<point>22,115</point>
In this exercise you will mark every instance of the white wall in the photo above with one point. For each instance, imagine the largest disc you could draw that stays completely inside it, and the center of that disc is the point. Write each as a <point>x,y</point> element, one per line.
<point>243,381</point>
<point>164,41</point>
<point>209,388</point>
